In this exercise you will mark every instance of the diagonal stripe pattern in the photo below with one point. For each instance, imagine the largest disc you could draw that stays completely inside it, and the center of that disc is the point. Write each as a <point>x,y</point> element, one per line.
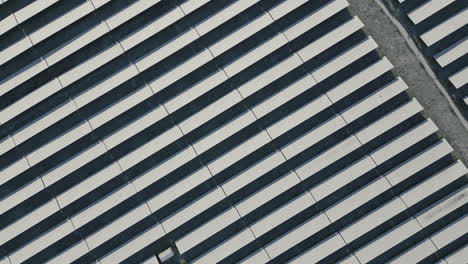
<point>442,28</point>
<point>223,131</point>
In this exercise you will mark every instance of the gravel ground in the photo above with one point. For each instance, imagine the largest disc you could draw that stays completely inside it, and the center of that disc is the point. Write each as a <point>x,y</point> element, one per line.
<point>401,50</point>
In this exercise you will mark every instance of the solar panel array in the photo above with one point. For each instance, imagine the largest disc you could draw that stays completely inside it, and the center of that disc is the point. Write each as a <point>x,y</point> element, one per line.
<point>442,27</point>
<point>172,131</point>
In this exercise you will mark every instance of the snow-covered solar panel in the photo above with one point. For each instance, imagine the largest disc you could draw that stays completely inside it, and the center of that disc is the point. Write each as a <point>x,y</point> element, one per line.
<point>442,29</point>
<point>224,131</point>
